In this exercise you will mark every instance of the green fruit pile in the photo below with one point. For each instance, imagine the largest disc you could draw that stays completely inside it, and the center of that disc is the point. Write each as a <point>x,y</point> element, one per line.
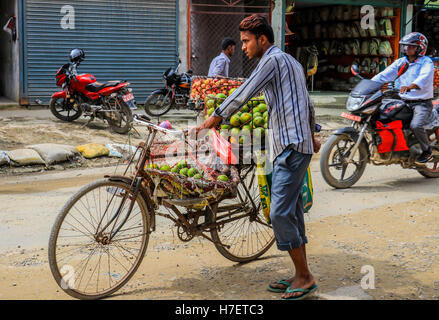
<point>251,119</point>
<point>183,169</point>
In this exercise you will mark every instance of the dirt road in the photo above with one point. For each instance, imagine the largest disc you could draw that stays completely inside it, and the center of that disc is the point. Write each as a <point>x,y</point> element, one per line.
<point>388,221</point>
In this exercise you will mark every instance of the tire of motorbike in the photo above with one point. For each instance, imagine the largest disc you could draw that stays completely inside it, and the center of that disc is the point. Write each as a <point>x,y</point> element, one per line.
<point>117,126</point>
<point>159,94</point>
<point>324,162</point>
<point>68,118</point>
<point>429,173</point>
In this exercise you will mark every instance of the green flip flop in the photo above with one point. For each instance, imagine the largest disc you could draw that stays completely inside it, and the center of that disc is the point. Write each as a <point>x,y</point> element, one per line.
<point>279,290</point>
<point>305,292</point>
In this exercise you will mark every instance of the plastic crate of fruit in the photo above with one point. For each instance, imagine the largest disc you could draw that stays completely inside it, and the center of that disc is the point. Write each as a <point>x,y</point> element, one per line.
<point>203,86</point>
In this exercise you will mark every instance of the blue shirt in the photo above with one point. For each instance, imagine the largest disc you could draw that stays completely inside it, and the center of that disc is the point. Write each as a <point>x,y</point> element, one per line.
<point>420,72</point>
<point>219,66</point>
<point>290,110</point>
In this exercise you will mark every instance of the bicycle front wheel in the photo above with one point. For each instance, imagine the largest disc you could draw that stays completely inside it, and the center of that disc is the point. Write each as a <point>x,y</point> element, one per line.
<point>85,260</point>
<point>249,237</point>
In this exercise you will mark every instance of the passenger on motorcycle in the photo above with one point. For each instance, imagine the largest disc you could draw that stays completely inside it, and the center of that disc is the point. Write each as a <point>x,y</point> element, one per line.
<point>416,86</point>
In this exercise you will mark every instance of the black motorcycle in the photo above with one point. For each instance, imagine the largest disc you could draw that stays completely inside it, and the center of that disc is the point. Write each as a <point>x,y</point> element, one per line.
<point>174,94</point>
<point>380,134</point>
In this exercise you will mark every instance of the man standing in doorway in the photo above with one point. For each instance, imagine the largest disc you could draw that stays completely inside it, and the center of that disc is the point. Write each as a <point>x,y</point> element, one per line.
<point>291,137</point>
<point>220,64</point>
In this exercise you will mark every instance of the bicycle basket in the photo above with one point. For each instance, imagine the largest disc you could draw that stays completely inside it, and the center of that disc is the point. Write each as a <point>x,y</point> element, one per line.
<point>184,169</point>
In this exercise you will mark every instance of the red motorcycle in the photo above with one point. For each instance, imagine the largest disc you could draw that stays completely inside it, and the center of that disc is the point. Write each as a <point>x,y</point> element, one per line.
<point>110,101</point>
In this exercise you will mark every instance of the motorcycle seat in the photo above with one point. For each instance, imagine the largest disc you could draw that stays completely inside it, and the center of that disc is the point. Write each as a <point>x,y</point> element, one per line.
<point>97,86</point>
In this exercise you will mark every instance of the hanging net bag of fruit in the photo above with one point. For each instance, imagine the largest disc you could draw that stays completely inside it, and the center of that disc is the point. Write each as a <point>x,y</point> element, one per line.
<point>187,171</point>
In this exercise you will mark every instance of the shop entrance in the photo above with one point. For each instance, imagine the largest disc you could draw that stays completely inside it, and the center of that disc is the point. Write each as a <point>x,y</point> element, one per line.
<point>427,22</point>
<point>328,39</point>
<point>211,22</point>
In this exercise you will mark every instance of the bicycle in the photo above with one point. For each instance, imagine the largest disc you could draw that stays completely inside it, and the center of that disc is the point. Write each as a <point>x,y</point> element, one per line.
<point>101,234</point>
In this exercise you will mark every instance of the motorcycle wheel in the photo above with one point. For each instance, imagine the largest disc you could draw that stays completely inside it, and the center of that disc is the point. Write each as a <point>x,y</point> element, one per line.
<point>157,104</point>
<point>431,170</point>
<point>64,110</point>
<point>121,118</point>
<point>336,172</point>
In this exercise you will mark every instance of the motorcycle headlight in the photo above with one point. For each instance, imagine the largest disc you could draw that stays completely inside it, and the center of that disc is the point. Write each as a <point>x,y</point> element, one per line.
<point>354,103</point>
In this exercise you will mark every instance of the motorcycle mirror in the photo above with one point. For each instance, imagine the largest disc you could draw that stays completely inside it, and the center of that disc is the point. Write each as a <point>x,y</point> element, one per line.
<point>403,69</point>
<point>355,70</point>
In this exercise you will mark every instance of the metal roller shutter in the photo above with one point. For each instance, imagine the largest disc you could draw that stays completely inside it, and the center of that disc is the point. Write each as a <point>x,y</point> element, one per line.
<point>133,40</point>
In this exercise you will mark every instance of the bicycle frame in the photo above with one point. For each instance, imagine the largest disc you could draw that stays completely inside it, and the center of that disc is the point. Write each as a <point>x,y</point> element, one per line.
<point>142,184</point>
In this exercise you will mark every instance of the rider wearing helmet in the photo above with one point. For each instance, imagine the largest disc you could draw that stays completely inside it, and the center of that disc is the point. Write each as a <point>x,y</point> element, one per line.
<point>416,86</point>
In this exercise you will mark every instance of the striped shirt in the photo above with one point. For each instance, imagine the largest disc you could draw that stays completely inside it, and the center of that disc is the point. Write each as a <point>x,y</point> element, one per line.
<point>290,110</point>
<point>219,66</point>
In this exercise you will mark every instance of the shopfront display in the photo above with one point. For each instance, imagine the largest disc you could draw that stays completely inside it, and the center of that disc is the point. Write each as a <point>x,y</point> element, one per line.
<point>427,22</point>
<point>328,39</point>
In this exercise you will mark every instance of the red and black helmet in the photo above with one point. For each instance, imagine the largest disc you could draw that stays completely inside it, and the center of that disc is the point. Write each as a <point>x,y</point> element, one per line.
<point>415,39</point>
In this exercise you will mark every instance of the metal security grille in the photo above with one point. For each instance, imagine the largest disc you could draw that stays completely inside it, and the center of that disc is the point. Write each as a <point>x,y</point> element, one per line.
<point>133,40</point>
<point>211,22</point>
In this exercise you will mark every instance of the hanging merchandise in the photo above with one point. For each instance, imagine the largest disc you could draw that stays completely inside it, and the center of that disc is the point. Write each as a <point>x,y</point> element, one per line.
<point>389,28</point>
<point>374,46</point>
<point>348,48</point>
<point>333,13</point>
<point>365,65</point>
<point>340,47</point>
<point>339,13</point>
<point>325,47</point>
<point>387,12</point>
<point>290,5</point>
<point>312,60</point>
<point>304,32</point>
<point>296,19</point>
<point>315,16</point>
<point>385,48</point>
<point>365,47</point>
<point>324,32</point>
<point>324,13</point>
<point>361,31</point>
<point>374,32</point>
<point>336,32</point>
<point>339,31</point>
<point>317,31</point>
<point>347,12</point>
<point>348,31</point>
<point>374,65</point>
<point>309,16</point>
<point>355,27</point>
<point>356,47</point>
<point>383,64</point>
<point>355,12</point>
<point>385,28</point>
<point>332,31</point>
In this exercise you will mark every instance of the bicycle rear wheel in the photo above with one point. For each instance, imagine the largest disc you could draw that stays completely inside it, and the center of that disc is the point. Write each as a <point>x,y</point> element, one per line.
<point>84,263</point>
<point>250,236</point>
